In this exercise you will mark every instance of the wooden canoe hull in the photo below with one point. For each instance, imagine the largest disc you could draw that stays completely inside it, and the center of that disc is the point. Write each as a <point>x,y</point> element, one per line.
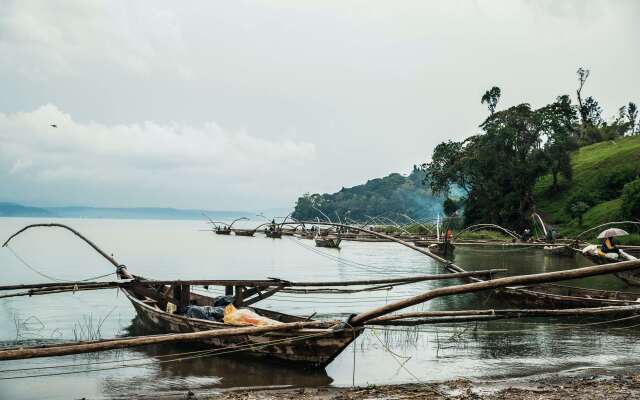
<point>631,278</point>
<point>558,251</point>
<point>559,296</point>
<point>309,351</point>
<point>550,295</point>
<point>244,232</point>
<point>223,232</point>
<point>442,249</point>
<point>273,234</point>
<point>330,242</point>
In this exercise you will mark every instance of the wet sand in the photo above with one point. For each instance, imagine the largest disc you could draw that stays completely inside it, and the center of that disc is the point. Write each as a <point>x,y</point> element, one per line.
<point>592,388</point>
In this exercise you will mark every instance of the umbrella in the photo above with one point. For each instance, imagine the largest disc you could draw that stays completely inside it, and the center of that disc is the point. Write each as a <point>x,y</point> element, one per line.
<point>612,232</point>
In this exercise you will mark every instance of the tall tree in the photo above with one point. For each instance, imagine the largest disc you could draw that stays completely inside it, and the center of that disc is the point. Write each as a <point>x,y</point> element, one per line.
<point>583,75</point>
<point>632,115</point>
<point>591,112</point>
<point>558,122</point>
<point>491,97</point>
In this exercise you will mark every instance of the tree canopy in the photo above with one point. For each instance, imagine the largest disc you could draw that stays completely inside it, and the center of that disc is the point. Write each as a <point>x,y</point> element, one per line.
<point>498,168</point>
<point>389,196</point>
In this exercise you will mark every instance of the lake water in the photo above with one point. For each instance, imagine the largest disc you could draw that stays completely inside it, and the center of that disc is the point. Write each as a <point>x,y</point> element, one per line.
<point>498,351</point>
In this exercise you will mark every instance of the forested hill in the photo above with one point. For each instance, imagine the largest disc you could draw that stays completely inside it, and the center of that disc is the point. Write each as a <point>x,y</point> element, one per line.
<point>389,196</point>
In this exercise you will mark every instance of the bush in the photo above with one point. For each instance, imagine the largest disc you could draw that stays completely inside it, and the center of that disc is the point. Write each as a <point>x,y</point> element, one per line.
<point>450,206</point>
<point>583,196</point>
<point>578,209</point>
<point>631,200</point>
<point>611,182</point>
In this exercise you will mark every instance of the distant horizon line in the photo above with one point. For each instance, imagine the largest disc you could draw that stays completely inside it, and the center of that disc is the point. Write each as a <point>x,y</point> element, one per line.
<point>76,206</point>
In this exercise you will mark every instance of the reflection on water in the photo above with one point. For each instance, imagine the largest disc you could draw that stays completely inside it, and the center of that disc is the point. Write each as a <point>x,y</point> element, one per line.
<point>237,371</point>
<point>176,249</point>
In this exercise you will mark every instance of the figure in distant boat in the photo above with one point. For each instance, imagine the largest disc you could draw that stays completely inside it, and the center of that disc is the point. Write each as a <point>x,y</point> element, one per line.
<point>609,247</point>
<point>449,235</point>
<point>526,235</point>
<point>551,235</point>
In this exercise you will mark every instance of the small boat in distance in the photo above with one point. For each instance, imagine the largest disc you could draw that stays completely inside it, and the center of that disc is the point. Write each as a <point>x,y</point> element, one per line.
<point>558,251</point>
<point>244,232</point>
<point>224,230</point>
<point>329,241</point>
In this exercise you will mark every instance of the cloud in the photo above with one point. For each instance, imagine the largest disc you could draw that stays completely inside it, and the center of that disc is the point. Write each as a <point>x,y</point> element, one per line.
<point>145,157</point>
<point>374,86</point>
<point>47,39</point>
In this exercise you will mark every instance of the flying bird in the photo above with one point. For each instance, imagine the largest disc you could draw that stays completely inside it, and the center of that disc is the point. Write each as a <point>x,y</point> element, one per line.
<point>54,125</point>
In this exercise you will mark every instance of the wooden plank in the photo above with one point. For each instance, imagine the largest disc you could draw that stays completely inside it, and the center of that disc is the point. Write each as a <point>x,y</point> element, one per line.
<point>511,313</point>
<point>110,344</point>
<point>239,296</point>
<point>253,283</point>
<point>261,296</point>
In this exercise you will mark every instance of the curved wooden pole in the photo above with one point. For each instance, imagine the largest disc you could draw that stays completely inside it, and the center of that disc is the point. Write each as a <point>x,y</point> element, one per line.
<point>119,343</point>
<point>261,225</point>
<point>367,221</point>
<point>495,284</point>
<point>416,222</point>
<point>212,221</point>
<point>374,219</point>
<point>537,217</point>
<point>607,224</point>
<point>119,267</point>
<point>221,223</point>
<point>323,214</point>
<point>236,220</point>
<point>475,227</point>
<point>285,220</point>
<point>422,250</point>
<point>395,224</point>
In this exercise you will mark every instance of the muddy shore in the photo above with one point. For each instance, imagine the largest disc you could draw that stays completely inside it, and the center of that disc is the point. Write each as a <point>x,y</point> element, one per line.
<point>592,388</point>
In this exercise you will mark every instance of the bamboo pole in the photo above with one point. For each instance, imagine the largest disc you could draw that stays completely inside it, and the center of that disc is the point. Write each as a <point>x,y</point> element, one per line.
<point>111,344</point>
<point>507,313</point>
<point>256,283</point>
<point>75,232</point>
<point>494,284</point>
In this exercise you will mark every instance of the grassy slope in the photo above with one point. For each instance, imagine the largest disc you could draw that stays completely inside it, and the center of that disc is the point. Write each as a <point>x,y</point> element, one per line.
<point>588,165</point>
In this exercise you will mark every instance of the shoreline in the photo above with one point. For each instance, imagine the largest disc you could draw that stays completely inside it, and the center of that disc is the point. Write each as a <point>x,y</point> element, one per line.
<point>595,387</point>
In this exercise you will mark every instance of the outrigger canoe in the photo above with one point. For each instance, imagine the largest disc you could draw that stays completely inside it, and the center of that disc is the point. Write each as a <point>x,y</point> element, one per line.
<point>313,348</point>
<point>332,242</point>
<point>550,295</point>
<point>631,278</point>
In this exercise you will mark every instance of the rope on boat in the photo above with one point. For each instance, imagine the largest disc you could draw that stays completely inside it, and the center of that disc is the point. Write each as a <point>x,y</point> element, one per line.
<point>26,264</point>
<point>634,223</point>
<point>555,326</point>
<point>203,353</point>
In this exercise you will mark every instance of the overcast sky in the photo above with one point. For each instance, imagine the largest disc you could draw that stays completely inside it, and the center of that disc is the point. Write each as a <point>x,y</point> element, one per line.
<point>245,105</point>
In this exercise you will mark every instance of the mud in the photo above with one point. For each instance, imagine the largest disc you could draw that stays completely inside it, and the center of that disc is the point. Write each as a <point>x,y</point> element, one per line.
<point>592,388</point>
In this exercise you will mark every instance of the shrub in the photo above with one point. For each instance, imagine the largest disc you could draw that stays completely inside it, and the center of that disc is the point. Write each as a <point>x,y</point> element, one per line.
<point>611,182</point>
<point>631,200</point>
<point>450,206</point>
<point>578,209</point>
<point>583,196</point>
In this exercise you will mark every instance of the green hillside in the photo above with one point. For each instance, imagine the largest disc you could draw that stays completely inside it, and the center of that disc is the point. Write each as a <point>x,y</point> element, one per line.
<point>600,172</point>
<point>389,196</point>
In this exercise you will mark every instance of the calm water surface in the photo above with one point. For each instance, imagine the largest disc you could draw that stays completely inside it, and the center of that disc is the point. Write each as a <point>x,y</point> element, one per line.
<point>501,350</point>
